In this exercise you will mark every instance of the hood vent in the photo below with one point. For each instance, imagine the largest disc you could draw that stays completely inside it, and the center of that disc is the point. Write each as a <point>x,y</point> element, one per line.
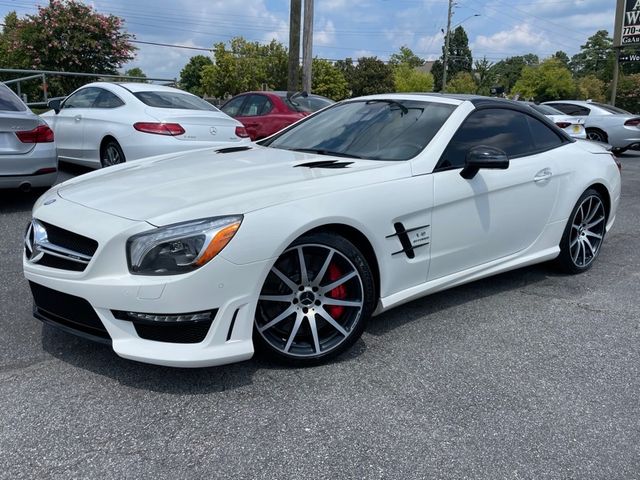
<point>233,149</point>
<point>325,164</point>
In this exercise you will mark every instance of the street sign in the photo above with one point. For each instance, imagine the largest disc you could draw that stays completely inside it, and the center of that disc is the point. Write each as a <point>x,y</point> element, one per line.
<point>627,27</point>
<point>629,57</point>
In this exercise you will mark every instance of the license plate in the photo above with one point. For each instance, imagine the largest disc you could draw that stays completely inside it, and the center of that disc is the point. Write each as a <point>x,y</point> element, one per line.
<point>576,128</point>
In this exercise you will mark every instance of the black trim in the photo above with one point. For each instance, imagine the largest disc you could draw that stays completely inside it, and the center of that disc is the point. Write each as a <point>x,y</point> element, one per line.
<point>234,149</point>
<point>193,331</point>
<point>407,248</point>
<point>64,326</point>
<point>325,164</point>
<point>413,247</point>
<point>232,324</point>
<point>408,230</point>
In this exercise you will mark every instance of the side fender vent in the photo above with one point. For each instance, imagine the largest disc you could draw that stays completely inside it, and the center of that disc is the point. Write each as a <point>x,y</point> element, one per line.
<point>408,247</point>
<point>233,149</point>
<point>325,164</point>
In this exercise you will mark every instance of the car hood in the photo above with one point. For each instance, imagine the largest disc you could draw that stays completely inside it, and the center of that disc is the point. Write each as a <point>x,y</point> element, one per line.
<point>171,188</point>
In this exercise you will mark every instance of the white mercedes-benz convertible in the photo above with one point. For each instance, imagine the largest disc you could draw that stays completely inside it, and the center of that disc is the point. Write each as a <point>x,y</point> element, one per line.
<point>194,259</point>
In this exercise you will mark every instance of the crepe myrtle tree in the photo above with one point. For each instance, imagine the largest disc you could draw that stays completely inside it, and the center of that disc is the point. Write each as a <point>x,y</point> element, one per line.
<point>69,36</point>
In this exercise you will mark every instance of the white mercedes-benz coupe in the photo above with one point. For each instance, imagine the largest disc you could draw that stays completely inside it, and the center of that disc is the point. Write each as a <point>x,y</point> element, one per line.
<point>191,260</point>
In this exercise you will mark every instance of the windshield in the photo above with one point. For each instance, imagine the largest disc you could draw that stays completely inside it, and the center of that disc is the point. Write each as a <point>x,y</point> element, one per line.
<point>307,104</point>
<point>546,110</point>
<point>374,129</point>
<point>183,101</point>
<point>611,108</point>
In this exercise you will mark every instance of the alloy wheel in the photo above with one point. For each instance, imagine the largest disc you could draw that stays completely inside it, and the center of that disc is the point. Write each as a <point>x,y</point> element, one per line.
<point>111,156</point>
<point>595,136</point>
<point>587,231</point>
<point>311,301</point>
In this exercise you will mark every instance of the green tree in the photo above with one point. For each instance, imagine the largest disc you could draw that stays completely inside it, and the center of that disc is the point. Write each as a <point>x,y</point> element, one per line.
<point>459,58</point>
<point>135,72</point>
<point>347,68</point>
<point>596,57</point>
<point>628,95</point>
<point>563,58</point>
<point>372,76</point>
<point>548,81</point>
<point>591,87</point>
<point>462,82</point>
<point>410,79</point>
<point>405,57</point>
<point>484,76</point>
<point>66,35</point>
<point>507,72</point>
<point>328,80</point>
<point>191,74</point>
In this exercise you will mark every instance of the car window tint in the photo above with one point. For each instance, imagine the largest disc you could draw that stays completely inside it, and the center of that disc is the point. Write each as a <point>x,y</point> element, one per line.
<point>177,100</point>
<point>546,109</point>
<point>544,137</point>
<point>82,98</point>
<point>255,106</point>
<point>232,107</point>
<point>106,99</point>
<point>374,129</point>
<point>612,109</point>
<point>9,101</point>
<point>568,109</point>
<point>311,103</point>
<point>507,130</point>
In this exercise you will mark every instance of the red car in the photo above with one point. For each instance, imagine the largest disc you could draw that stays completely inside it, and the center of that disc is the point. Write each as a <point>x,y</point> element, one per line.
<point>265,113</point>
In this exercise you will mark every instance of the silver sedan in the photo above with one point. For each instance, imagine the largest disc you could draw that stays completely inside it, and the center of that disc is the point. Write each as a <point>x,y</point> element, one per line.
<point>27,149</point>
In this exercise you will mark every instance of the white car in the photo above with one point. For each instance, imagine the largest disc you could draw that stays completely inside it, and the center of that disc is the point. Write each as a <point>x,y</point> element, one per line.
<point>604,123</point>
<point>103,124</point>
<point>187,260</point>
<point>574,126</point>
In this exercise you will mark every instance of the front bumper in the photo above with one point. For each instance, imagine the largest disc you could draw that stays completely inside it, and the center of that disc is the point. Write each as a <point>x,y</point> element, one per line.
<point>108,287</point>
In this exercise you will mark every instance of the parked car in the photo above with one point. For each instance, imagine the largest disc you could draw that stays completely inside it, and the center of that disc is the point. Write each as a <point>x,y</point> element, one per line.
<point>604,123</point>
<point>103,124</point>
<point>574,126</point>
<point>265,113</point>
<point>295,242</point>
<point>27,148</point>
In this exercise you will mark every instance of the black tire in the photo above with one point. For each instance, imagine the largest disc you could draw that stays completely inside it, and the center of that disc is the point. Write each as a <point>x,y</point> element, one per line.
<point>111,154</point>
<point>328,260</point>
<point>597,135</point>
<point>580,246</point>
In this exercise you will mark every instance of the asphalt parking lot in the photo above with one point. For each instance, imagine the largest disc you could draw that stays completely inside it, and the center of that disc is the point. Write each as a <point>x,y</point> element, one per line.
<point>529,374</point>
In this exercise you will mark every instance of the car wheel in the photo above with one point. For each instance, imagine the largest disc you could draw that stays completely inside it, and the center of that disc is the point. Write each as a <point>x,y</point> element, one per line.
<point>596,135</point>
<point>111,154</point>
<point>584,233</point>
<point>315,301</point>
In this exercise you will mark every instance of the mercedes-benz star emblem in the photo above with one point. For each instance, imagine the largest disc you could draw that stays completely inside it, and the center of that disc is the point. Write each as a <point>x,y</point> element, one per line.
<point>35,237</point>
<point>213,130</point>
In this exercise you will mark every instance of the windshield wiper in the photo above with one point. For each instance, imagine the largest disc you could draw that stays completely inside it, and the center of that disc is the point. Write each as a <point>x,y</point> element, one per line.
<point>320,151</point>
<point>404,109</point>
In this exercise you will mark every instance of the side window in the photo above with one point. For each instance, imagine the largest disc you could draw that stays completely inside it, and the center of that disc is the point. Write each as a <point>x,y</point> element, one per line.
<point>232,107</point>
<point>106,99</point>
<point>543,137</point>
<point>569,109</point>
<point>505,129</point>
<point>255,106</point>
<point>83,98</point>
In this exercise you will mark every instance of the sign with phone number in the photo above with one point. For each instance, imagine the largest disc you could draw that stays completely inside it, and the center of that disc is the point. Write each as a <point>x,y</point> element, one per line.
<point>631,23</point>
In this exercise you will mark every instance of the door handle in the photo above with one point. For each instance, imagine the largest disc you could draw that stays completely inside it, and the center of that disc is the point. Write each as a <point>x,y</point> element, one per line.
<point>77,118</point>
<point>543,175</point>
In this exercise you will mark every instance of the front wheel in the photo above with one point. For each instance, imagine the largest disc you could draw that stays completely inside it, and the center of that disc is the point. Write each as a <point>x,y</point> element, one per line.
<point>111,154</point>
<point>315,301</point>
<point>584,233</point>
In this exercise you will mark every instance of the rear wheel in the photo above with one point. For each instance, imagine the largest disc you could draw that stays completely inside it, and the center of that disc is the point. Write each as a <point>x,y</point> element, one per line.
<point>584,234</point>
<point>111,154</point>
<point>596,135</point>
<point>315,301</point>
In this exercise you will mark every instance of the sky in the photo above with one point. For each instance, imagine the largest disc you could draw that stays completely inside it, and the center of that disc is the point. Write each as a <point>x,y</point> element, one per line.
<point>352,28</point>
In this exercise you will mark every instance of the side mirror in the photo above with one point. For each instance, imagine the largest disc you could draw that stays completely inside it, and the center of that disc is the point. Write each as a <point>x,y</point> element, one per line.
<point>484,156</point>
<point>55,105</point>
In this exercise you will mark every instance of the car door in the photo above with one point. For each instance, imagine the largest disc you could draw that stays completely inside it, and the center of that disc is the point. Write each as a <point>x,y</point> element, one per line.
<point>497,213</point>
<point>69,124</point>
<point>254,116</point>
<point>99,121</point>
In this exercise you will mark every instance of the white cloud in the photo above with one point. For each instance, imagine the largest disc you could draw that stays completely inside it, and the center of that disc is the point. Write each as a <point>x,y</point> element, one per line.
<point>325,35</point>
<point>521,37</point>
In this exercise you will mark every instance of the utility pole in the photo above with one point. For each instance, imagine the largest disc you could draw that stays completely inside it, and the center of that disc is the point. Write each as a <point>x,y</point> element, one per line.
<point>616,74</point>
<point>446,46</point>
<point>307,45</point>
<point>294,45</point>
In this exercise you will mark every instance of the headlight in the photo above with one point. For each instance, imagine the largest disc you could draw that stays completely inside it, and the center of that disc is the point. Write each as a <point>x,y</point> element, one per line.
<point>180,248</point>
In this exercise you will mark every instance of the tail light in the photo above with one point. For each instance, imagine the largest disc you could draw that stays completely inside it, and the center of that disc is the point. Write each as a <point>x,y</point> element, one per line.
<point>563,124</point>
<point>242,132</point>
<point>171,129</point>
<point>633,122</point>
<point>40,134</point>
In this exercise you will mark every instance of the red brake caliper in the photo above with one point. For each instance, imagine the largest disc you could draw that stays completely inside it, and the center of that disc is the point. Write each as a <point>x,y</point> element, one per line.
<point>339,293</point>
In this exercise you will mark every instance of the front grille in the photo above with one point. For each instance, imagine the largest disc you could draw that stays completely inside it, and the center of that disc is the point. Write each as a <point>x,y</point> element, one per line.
<point>71,313</point>
<point>56,247</point>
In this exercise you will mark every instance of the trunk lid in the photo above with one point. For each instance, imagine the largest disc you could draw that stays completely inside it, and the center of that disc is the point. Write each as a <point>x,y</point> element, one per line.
<point>12,122</point>
<point>199,125</point>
